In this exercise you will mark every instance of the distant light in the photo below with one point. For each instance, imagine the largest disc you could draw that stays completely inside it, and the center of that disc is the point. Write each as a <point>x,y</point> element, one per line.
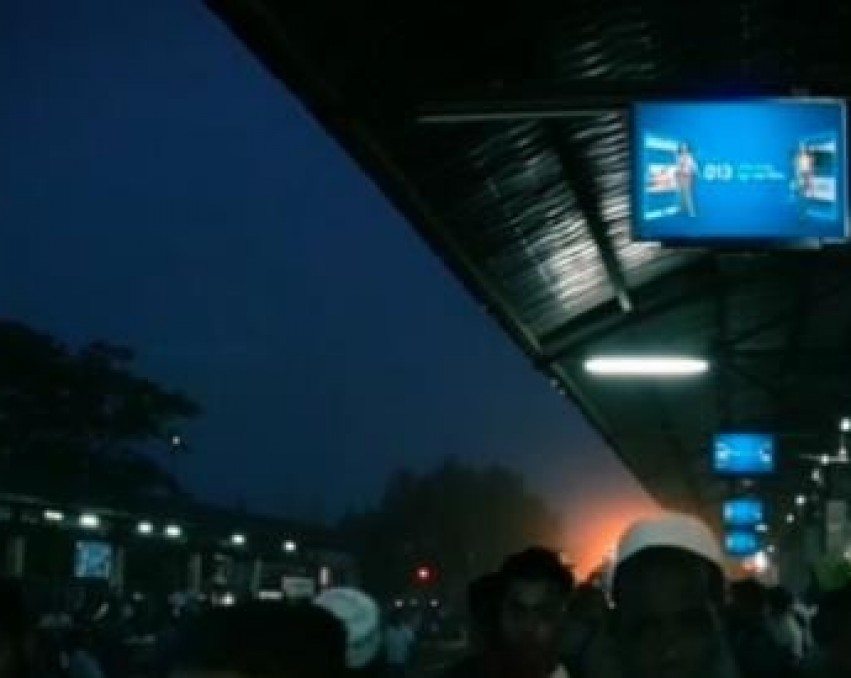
<point>816,475</point>
<point>228,599</point>
<point>270,595</point>
<point>825,460</point>
<point>89,521</point>
<point>770,548</point>
<point>762,527</point>
<point>398,604</point>
<point>237,539</point>
<point>845,424</point>
<point>800,500</point>
<point>843,455</point>
<point>324,577</point>
<point>760,561</point>
<point>54,516</point>
<point>290,546</point>
<point>145,527</point>
<point>173,531</point>
<point>646,366</point>
<point>790,518</point>
<point>434,603</point>
<point>176,441</point>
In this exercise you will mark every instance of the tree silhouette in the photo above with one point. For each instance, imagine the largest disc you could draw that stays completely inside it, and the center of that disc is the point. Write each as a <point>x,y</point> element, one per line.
<point>78,421</point>
<point>459,520</point>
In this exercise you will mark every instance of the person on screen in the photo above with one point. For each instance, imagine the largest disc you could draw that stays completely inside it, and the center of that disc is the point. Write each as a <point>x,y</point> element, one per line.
<point>686,173</point>
<point>804,171</point>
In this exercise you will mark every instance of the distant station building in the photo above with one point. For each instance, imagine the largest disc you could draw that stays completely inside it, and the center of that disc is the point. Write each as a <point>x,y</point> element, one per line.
<point>175,545</point>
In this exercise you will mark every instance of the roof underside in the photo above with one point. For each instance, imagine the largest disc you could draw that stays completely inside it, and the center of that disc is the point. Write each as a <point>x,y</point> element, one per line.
<point>502,137</point>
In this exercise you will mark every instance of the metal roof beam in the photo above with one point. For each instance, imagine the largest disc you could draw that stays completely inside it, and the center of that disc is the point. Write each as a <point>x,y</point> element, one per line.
<point>723,392</point>
<point>584,99</point>
<point>653,299</point>
<point>579,176</point>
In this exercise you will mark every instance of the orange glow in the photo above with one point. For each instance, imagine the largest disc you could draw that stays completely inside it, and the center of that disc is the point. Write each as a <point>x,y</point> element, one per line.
<point>594,530</point>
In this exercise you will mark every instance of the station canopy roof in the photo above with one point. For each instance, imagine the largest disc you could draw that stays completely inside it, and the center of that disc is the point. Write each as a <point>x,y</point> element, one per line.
<point>501,133</point>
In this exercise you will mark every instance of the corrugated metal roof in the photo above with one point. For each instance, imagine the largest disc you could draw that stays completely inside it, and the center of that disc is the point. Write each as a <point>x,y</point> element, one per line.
<point>503,136</point>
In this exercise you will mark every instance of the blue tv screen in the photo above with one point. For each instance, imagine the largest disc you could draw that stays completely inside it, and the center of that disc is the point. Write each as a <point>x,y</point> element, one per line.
<point>772,170</point>
<point>743,454</point>
<point>743,512</point>
<point>741,543</point>
<point>93,560</point>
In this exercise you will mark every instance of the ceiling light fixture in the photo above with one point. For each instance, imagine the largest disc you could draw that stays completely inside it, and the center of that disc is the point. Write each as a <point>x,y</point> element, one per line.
<point>646,366</point>
<point>89,521</point>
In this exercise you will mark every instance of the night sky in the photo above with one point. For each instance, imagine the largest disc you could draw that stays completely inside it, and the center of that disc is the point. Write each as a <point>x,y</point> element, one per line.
<point>159,189</point>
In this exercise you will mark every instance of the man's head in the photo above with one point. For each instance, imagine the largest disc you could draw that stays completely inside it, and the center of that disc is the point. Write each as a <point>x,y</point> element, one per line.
<point>536,588</point>
<point>361,619</point>
<point>668,591</point>
<point>263,640</point>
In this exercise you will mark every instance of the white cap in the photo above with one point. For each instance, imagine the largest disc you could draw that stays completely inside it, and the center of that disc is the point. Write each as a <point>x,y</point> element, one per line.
<point>672,530</point>
<point>362,619</point>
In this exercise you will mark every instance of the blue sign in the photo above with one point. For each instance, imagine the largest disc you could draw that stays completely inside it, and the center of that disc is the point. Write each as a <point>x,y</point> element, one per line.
<point>741,543</point>
<point>93,560</point>
<point>749,171</point>
<point>743,512</point>
<point>743,454</point>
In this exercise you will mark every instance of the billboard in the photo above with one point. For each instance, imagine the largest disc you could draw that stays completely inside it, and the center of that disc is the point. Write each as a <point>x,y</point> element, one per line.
<point>743,512</point>
<point>759,171</point>
<point>743,454</point>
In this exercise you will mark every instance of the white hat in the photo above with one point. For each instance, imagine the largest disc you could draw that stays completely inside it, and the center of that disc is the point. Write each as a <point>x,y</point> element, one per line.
<point>362,619</point>
<point>672,530</point>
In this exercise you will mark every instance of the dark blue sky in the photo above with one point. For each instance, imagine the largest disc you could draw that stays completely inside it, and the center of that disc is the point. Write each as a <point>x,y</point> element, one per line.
<point>159,188</point>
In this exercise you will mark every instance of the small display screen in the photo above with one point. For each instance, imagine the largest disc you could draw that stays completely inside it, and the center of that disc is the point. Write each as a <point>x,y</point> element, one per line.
<point>743,512</point>
<point>741,543</point>
<point>743,454</point>
<point>93,560</point>
<point>765,170</point>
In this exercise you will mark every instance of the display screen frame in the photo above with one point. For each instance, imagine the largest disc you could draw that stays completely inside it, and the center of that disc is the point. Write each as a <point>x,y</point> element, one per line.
<point>93,559</point>
<point>735,237</point>
<point>743,512</point>
<point>741,543</point>
<point>723,465</point>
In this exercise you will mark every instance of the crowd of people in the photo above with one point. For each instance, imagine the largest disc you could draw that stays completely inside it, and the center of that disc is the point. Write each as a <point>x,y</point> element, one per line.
<point>664,611</point>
